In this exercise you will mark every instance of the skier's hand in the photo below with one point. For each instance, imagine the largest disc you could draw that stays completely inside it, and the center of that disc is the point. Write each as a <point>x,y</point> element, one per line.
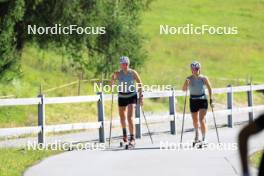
<point>114,78</point>
<point>211,103</point>
<point>112,82</point>
<point>141,101</point>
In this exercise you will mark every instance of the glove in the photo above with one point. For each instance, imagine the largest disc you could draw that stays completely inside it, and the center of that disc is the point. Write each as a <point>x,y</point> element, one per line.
<point>211,103</point>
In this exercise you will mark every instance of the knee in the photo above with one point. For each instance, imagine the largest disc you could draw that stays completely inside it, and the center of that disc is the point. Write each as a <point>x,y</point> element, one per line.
<point>130,120</point>
<point>202,120</point>
<point>123,119</point>
<point>195,120</point>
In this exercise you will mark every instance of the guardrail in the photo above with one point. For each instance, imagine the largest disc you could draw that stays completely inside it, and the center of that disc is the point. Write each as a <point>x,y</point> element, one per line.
<point>41,101</point>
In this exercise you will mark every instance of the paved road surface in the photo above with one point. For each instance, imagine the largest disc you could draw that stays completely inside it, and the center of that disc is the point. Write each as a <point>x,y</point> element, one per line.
<point>148,159</point>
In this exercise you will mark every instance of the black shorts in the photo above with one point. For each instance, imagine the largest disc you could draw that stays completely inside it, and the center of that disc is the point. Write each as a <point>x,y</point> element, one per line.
<point>197,104</point>
<point>125,99</point>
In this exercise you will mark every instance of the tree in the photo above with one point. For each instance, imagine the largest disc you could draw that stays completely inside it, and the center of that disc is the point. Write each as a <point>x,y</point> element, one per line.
<point>11,12</point>
<point>121,19</point>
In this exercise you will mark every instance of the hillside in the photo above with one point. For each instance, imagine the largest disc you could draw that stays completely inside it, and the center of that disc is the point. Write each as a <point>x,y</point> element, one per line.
<point>224,57</point>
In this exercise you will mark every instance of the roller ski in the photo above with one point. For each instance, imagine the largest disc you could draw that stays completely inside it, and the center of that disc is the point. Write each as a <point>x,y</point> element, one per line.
<point>124,143</point>
<point>200,144</point>
<point>196,143</point>
<point>130,145</point>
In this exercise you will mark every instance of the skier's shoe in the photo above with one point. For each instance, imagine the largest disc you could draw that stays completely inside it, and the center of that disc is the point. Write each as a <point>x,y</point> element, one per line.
<point>196,142</point>
<point>203,144</point>
<point>131,144</point>
<point>124,142</point>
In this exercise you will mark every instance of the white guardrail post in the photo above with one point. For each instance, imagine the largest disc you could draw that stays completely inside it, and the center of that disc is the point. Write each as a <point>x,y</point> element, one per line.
<point>230,106</point>
<point>138,125</point>
<point>250,103</point>
<point>100,109</point>
<point>172,112</point>
<point>41,119</point>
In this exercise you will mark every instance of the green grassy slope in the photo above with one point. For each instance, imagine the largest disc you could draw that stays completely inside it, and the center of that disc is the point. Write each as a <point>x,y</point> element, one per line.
<point>46,68</point>
<point>225,59</point>
<point>222,56</point>
<point>13,162</point>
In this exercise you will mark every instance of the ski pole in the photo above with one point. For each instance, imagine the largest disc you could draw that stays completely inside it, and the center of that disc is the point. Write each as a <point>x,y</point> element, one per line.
<point>183,116</point>
<point>215,124</point>
<point>111,118</point>
<point>147,125</point>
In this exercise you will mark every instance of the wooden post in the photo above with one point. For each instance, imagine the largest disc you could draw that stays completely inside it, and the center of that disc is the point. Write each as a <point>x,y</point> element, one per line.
<point>79,86</point>
<point>138,126</point>
<point>79,83</point>
<point>250,103</point>
<point>100,108</point>
<point>230,123</point>
<point>172,112</point>
<point>41,120</point>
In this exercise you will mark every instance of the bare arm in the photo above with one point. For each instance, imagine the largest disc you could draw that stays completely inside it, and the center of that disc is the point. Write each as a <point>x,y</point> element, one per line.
<point>139,82</point>
<point>139,85</point>
<point>114,77</point>
<point>186,84</point>
<point>209,87</point>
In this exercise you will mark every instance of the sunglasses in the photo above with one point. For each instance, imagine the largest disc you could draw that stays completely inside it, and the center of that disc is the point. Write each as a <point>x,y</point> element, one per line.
<point>195,69</point>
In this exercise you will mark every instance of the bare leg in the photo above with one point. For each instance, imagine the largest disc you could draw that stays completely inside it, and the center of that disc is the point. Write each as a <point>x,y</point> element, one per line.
<point>202,114</point>
<point>195,124</point>
<point>130,119</point>
<point>122,114</point>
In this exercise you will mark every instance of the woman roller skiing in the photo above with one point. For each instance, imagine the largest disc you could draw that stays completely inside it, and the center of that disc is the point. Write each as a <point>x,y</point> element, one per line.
<point>127,98</point>
<point>198,100</point>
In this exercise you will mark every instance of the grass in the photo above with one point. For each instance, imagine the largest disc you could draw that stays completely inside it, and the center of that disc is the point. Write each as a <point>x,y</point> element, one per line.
<point>226,59</point>
<point>13,162</point>
<point>222,56</point>
<point>256,158</point>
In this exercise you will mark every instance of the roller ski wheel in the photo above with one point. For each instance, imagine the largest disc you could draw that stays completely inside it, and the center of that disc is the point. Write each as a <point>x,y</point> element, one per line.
<point>196,143</point>
<point>124,142</point>
<point>130,145</point>
<point>121,144</point>
<point>202,144</point>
